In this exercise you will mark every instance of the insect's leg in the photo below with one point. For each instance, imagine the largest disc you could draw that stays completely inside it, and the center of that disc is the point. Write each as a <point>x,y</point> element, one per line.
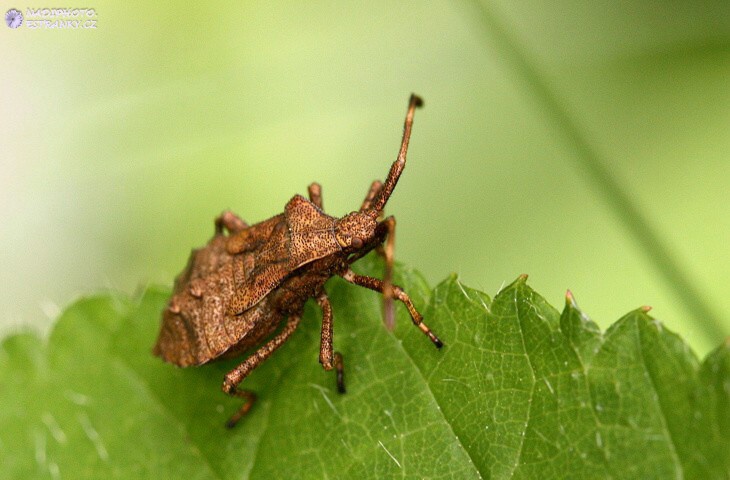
<point>326,354</point>
<point>249,398</point>
<point>374,190</point>
<point>315,194</point>
<point>340,368</point>
<point>327,357</point>
<point>232,222</point>
<point>377,285</point>
<point>387,252</point>
<point>236,376</point>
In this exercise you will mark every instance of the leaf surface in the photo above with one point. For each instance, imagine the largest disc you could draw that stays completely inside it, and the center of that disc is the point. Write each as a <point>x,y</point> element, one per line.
<point>520,390</point>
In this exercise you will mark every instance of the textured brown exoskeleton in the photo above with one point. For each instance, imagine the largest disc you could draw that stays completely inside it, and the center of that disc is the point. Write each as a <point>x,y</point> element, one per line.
<point>235,291</point>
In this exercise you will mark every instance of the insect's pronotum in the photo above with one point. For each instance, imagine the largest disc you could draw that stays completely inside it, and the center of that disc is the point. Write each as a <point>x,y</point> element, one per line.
<point>237,290</point>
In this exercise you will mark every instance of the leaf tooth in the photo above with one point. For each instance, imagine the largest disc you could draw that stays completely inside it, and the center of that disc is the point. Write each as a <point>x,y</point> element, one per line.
<point>518,282</point>
<point>570,299</point>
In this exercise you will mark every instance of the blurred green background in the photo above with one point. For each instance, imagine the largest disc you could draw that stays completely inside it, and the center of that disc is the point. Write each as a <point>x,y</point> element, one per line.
<point>584,143</point>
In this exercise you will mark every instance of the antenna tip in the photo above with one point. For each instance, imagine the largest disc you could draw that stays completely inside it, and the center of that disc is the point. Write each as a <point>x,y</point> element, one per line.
<point>416,100</point>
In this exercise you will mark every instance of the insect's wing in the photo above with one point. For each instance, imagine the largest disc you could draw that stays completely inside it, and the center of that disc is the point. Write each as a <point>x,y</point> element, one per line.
<point>198,329</point>
<point>193,326</point>
<point>301,235</point>
<point>261,269</point>
<point>198,326</point>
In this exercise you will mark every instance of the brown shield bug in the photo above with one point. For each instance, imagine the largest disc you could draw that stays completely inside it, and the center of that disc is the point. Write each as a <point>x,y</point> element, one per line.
<point>237,290</point>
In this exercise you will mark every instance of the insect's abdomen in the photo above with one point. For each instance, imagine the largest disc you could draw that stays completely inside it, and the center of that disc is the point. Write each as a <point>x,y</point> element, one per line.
<point>196,327</point>
<point>200,335</point>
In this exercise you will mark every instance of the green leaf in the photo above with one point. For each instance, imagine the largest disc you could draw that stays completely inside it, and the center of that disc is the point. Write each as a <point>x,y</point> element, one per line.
<point>519,390</point>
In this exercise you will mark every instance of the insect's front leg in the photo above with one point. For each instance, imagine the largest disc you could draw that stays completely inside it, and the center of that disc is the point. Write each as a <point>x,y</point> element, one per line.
<point>232,222</point>
<point>387,252</point>
<point>315,194</point>
<point>378,285</point>
<point>236,376</point>
<point>327,357</point>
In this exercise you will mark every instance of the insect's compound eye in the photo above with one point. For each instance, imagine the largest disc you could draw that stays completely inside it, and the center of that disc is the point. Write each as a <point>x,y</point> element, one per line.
<point>356,242</point>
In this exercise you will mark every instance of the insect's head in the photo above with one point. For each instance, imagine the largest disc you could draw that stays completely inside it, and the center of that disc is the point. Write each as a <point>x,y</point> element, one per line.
<point>355,230</point>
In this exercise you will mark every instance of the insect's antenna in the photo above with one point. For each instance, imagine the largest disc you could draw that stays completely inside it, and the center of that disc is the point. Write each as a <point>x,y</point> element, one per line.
<point>397,168</point>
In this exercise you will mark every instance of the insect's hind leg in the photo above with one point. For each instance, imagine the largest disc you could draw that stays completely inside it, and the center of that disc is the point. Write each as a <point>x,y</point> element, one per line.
<point>232,222</point>
<point>236,376</point>
<point>315,194</point>
<point>327,357</point>
<point>378,285</point>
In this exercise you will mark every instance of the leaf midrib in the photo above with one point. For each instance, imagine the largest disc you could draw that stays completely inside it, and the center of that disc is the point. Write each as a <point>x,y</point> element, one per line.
<point>659,406</point>
<point>532,387</point>
<point>586,383</point>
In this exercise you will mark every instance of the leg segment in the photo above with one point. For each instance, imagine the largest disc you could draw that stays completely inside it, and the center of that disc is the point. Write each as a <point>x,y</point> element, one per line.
<point>315,194</point>
<point>377,285</point>
<point>340,368</point>
<point>327,357</point>
<point>387,252</point>
<point>236,376</point>
<point>374,190</point>
<point>249,398</point>
<point>232,222</point>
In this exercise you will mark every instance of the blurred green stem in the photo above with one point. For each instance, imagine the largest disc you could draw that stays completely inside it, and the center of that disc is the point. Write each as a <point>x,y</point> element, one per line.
<point>591,162</point>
